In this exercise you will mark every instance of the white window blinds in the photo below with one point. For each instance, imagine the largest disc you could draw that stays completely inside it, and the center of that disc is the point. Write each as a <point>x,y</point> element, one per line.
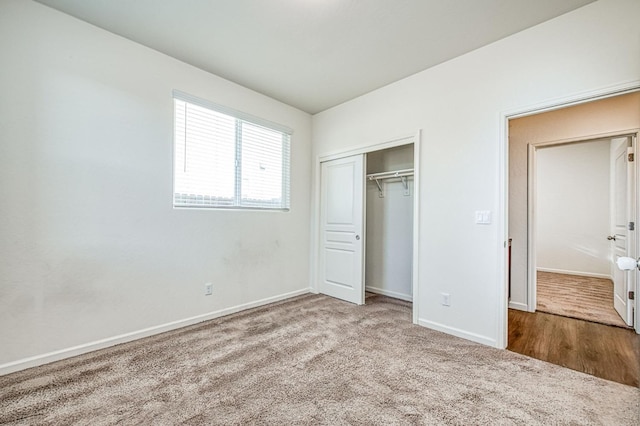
<point>224,158</point>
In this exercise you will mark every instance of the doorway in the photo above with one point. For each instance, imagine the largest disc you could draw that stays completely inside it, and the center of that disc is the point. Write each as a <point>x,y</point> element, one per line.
<point>368,201</point>
<point>579,196</point>
<point>598,119</point>
<point>602,350</point>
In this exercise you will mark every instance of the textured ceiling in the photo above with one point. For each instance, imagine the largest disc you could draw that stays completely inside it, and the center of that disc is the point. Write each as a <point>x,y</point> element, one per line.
<point>314,54</point>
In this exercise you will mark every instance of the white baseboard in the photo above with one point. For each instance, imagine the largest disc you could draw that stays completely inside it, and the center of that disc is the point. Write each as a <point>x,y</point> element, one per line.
<point>390,293</point>
<point>519,306</point>
<point>37,360</point>
<point>459,333</point>
<point>567,272</point>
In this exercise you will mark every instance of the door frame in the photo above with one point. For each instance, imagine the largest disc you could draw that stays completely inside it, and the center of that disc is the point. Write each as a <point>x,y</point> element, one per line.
<point>532,208</point>
<point>502,322</point>
<point>414,139</point>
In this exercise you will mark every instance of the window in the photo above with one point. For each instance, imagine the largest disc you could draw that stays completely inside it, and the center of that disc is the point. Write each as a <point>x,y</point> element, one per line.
<point>227,159</point>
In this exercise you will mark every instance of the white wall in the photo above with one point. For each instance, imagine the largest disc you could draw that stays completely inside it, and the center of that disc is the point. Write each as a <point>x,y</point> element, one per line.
<point>459,107</point>
<point>90,246</point>
<point>572,208</point>
<point>389,236</point>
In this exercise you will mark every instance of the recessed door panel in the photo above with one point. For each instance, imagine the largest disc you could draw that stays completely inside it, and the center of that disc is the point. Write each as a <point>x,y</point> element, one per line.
<point>340,206</point>
<point>340,268</point>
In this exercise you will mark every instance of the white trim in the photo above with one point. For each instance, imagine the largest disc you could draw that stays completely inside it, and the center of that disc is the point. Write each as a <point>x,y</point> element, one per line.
<point>37,360</point>
<point>363,228</point>
<point>519,306</point>
<point>394,294</point>
<point>532,227</point>
<point>588,138</point>
<point>636,246</point>
<point>315,230</point>
<point>502,230</point>
<point>634,279</point>
<point>415,276</point>
<point>364,149</point>
<point>502,227</point>
<point>578,273</point>
<point>478,338</point>
<point>576,99</point>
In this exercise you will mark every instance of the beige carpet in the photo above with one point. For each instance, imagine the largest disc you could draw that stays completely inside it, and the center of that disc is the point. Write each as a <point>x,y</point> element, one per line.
<point>311,360</point>
<point>576,296</point>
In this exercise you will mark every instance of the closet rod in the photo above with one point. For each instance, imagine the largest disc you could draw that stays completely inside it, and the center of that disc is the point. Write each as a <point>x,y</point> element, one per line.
<point>402,174</point>
<point>390,175</point>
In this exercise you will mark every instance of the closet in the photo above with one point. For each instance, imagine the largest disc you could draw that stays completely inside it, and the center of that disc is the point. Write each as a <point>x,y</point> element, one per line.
<point>389,222</point>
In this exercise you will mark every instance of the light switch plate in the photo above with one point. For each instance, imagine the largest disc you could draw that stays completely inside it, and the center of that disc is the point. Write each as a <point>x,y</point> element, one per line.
<point>483,217</point>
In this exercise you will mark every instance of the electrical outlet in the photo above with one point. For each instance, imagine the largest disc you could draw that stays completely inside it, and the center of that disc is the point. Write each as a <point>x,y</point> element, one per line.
<point>445,299</point>
<point>208,289</point>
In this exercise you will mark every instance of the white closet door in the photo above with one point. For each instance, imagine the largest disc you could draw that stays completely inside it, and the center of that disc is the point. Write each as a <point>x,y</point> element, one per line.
<point>341,229</point>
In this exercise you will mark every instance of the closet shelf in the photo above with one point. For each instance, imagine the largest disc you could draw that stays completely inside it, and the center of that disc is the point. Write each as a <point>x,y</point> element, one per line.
<point>395,174</point>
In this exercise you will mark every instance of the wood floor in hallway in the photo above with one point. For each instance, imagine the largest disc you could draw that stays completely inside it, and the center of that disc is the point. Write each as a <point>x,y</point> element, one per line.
<point>612,353</point>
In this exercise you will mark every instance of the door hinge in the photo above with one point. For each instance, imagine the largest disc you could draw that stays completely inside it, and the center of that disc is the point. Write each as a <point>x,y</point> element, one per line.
<point>632,295</point>
<point>632,226</point>
<point>631,157</point>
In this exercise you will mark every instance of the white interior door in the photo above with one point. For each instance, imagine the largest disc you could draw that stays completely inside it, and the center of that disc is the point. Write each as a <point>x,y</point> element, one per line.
<point>621,204</point>
<point>341,229</point>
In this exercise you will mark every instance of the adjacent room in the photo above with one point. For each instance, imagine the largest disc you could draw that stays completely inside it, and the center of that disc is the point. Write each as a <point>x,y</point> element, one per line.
<point>318,212</point>
<point>563,272</point>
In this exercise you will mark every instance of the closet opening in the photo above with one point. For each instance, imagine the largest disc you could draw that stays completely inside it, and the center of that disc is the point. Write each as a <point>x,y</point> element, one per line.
<point>389,209</point>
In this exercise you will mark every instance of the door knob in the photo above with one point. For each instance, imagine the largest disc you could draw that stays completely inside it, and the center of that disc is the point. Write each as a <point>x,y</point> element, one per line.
<point>627,263</point>
<point>611,237</point>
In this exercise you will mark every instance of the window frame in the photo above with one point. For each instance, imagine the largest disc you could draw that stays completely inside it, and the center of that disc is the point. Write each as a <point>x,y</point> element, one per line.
<point>240,118</point>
